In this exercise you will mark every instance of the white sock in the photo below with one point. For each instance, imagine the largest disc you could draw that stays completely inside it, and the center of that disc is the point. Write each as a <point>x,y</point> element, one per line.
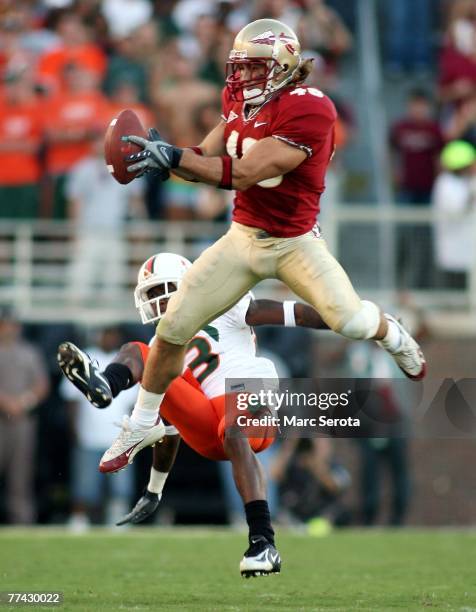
<point>146,409</point>
<point>156,481</point>
<point>391,342</point>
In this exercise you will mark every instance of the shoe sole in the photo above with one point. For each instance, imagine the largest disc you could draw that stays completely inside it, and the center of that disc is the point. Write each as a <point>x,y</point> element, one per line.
<point>70,356</point>
<point>258,573</point>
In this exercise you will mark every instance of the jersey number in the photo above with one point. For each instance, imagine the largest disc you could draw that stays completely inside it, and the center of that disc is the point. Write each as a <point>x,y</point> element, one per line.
<point>204,356</point>
<point>300,91</point>
<point>248,142</point>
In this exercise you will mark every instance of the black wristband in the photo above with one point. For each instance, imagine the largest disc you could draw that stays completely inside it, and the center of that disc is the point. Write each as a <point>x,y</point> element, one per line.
<point>177,153</point>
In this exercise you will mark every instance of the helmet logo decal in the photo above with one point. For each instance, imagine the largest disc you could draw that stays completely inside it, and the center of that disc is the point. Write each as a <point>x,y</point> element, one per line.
<point>269,38</point>
<point>266,38</point>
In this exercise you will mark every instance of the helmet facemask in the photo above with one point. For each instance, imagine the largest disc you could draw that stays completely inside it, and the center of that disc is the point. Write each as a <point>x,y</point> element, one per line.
<point>153,308</point>
<point>158,279</point>
<point>256,90</point>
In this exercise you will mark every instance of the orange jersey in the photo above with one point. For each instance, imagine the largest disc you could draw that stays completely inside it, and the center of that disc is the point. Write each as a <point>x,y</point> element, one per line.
<point>86,112</point>
<point>22,123</point>
<point>88,56</point>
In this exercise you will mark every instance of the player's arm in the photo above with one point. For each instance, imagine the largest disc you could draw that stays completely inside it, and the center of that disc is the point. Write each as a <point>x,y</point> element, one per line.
<point>267,158</point>
<point>214,142</point>
<point>288,313</point>
<point>132,355</point>
<point>300,129</point>
<point>211,146</point>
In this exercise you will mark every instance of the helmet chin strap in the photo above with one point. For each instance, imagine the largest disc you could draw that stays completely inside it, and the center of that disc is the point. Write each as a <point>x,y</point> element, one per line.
<point>263,95</point>
<point>254,97</point>
<point>254,94</point>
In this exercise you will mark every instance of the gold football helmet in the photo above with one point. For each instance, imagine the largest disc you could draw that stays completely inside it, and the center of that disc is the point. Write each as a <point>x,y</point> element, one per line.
<point>268,53</point>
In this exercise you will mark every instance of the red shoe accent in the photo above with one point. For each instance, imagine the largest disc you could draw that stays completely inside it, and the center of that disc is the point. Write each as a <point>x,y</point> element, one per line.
<point>419,376</point>
<point>118,463</point>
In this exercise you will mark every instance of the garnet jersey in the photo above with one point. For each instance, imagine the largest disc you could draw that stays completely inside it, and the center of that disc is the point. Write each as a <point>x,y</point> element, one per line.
<point>303,117</point>
<point>226,348</point>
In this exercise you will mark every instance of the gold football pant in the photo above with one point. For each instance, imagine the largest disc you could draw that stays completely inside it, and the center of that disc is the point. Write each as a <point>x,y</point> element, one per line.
<point>239,260</point>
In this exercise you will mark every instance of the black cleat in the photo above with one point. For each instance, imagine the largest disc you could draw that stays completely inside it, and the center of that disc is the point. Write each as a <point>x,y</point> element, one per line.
<point>84,374</point>
<point>261,559</point>
<point>145,507</point>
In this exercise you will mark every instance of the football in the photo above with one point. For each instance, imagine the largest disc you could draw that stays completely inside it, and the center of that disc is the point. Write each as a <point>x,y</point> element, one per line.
<point>116,148</point>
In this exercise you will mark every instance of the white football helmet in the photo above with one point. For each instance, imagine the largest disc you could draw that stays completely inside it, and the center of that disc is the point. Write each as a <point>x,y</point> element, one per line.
<point>268,43</point>
<point>160,269</point>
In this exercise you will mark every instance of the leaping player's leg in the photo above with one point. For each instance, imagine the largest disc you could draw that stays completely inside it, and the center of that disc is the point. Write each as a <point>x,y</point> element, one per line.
<point>309,269</point>
<point>214,283</point>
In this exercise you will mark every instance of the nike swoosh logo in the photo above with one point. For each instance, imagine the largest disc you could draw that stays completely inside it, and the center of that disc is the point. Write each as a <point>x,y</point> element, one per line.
<point>262,556</point>
<point>258,124</point>
<point>74,373</point>
<point>129,451</point>
<point>163,150</point>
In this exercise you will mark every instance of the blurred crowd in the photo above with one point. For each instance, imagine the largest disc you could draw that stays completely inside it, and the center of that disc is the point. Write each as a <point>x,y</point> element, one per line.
<point>68,67</point>
<point>434,138</point>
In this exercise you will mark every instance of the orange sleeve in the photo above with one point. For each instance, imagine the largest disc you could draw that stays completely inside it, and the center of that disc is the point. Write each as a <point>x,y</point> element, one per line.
<point>144,350</point>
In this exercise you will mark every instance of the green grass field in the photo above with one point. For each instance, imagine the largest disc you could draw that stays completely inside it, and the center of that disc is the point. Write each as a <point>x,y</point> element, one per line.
<point>154,569</point>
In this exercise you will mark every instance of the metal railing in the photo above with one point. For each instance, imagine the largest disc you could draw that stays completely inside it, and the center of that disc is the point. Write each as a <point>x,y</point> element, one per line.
<point>41,271</point>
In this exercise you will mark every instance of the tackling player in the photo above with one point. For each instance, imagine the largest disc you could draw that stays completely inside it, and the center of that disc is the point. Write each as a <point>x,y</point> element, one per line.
<point>194,406</point>
<point>272,145</point>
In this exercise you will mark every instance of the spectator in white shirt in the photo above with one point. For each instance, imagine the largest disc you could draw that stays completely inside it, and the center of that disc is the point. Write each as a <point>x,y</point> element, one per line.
<point>454,202</point>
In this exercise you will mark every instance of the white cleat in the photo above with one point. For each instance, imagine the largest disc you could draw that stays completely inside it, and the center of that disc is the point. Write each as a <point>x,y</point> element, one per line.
<point>261,559</point>
<point>129,442</point>
<point>409,356</point>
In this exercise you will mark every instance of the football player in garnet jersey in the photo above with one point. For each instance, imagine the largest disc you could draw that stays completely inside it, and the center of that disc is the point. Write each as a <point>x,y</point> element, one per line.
<point>194,406</point>
<point>272,145</point>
